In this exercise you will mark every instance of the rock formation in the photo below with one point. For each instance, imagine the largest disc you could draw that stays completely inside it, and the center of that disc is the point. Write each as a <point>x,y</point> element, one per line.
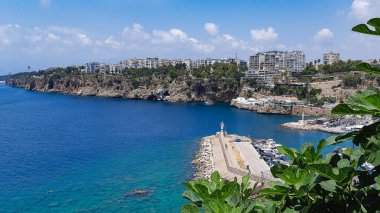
<point>149,88</point>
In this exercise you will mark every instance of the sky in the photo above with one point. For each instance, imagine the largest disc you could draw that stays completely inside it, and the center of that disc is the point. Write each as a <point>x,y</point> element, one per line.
<point>47,33</point>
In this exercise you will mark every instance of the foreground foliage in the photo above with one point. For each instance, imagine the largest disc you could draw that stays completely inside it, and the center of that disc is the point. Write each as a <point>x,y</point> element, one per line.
<point>347,181</point>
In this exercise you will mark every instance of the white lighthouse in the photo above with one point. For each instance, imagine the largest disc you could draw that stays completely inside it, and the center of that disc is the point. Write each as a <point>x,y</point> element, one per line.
<point>222,128</point>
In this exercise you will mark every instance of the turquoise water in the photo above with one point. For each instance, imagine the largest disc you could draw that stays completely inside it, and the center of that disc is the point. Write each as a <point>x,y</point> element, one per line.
<point>61,153</point>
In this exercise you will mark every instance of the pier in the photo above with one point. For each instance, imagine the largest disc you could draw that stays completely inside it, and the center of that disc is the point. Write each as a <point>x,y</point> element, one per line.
<point>232,156</point>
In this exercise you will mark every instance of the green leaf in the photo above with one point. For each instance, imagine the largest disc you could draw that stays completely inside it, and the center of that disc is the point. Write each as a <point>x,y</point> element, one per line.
<point>373,100</point>
<point>215,178</point>
<point>309,154</point>
<point>217,206</point>
<point>345,109</point>
<point>228,190</point>
<point>334,140</point>
<point>362,28</point>
<point>201,190</point>
<point>343,163</point>
<point>360,103</point>
<point>329,185</point>
<point>293,175</point>
<point>326,170</point>
<point>373,158</point>
<point>278,169</point>
<point>190,208</point>
<point>191,196</point>
<point>288,210</point>
<point>289,152</point>
<point>377,181</point>
<point>362,137</point>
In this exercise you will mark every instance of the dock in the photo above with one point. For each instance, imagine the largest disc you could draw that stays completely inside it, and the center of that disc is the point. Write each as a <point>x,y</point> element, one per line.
<point>232,156</point>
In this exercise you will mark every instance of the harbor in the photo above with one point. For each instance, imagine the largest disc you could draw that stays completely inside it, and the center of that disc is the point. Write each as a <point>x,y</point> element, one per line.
<point>235,156</point>
<point>337,125</point>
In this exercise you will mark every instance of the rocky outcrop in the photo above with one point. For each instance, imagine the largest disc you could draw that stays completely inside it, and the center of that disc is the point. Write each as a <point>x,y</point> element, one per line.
<point>274,109</point>
<point>149,88</point>
<point>203,160</point>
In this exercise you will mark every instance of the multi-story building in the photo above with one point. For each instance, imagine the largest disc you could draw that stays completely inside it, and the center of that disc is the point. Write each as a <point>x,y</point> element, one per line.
<point>267,66</point>
<point>294,61</point>
<point>164,62</point>
<point>115,68</point>
<point>150,63</point>
<point>92,67</point>
<point>330,58</point>
<point>104,68</point>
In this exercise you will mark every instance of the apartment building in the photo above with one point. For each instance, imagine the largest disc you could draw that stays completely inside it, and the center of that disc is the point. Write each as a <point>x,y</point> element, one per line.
<point>92,67</point>
<point>330,58</point>
<point>268,66</point>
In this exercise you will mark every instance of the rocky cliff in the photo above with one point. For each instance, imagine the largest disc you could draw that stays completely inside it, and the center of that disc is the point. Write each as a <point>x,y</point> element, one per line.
<point>150,88</point>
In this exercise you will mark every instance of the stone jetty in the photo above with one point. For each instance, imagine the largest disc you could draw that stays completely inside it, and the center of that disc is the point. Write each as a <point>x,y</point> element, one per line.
<point>232,156</point>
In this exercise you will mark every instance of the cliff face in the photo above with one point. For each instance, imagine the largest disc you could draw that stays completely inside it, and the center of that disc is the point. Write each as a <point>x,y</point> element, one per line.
<point>138,88</point>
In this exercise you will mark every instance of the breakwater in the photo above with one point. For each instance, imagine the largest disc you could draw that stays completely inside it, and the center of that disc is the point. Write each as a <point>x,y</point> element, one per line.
<point>232,156</point>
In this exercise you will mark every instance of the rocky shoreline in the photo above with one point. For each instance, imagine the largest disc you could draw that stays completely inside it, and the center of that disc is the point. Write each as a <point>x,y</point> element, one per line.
<point>118,86</point>
<point>203,161</point>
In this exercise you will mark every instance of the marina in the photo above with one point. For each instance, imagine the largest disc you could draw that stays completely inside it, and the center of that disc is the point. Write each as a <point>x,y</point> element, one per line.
<point>335,125</point>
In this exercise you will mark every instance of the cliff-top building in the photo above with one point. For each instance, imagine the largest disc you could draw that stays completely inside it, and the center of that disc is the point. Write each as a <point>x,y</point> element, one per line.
<point>266,66</point>
<point>92,67</point>
<point>330,58</point>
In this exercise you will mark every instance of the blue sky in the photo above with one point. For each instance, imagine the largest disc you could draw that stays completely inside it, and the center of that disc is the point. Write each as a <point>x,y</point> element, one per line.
<point>44,33</point>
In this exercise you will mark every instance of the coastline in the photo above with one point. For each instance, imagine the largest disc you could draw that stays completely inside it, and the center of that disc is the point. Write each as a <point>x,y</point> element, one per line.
<point>114,86</point>
<point>307,127</point>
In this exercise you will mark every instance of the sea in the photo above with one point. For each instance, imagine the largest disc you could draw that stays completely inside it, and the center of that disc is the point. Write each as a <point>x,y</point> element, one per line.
<point>64,153</point>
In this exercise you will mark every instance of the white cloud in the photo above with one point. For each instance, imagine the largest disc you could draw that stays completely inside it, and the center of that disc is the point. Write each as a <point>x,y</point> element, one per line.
<point>171,36</point>
<point>365,9</point>
<point>9,33</point>
<point>114,43</point>
<point>72,35</point>
<point>53,37</point>
<point>212,29</point>
<point>324,34</point>
<point>84,39</point>
<point>178,37</point>
<point>135,32</point>
<point>268,34</point>
<point>45,3</point>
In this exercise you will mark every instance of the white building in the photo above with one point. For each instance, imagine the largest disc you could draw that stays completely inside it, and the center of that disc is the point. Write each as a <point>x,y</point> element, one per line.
<point>330,58</point>
<point>268,66</point>
<point>115,68</point>
<point>150,63</point>
<point>104,68</point>
<point>92,67</point>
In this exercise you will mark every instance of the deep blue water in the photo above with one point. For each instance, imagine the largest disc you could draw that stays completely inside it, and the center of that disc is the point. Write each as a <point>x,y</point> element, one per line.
<point>61,153</point>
